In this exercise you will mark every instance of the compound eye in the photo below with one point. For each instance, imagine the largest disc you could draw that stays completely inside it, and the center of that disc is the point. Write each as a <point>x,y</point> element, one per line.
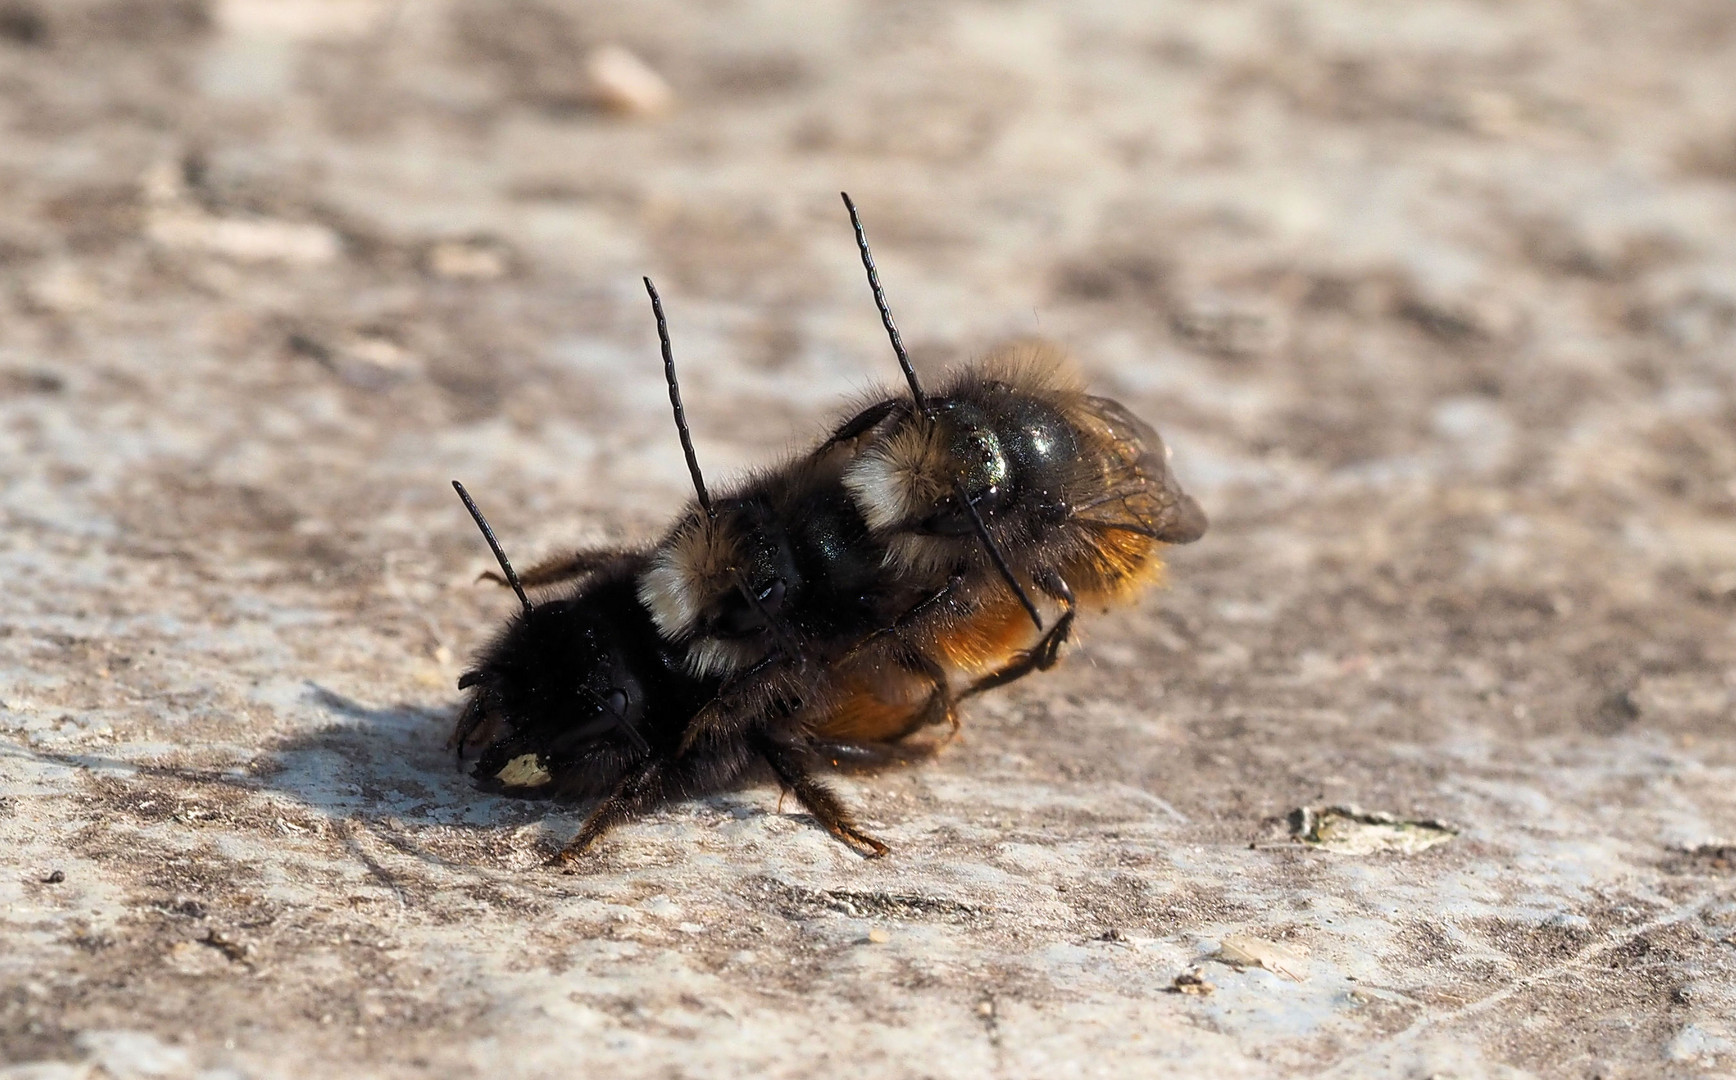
<point>771,598</point>
<point>951,519</point>
<point>616,703</point>
<point>740,619</point>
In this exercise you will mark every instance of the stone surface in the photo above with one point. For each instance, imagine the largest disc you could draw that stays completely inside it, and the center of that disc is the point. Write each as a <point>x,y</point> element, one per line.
<point>1436,302</point>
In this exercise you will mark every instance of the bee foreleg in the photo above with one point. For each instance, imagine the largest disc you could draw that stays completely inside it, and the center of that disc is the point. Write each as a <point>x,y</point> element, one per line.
<point>1049,648</point>
<point>861,423</point>
<point>793,764</point>
<point>1042,655</point>
<point>474,714</point>
<point>559,568</point>
<point>639,792</point>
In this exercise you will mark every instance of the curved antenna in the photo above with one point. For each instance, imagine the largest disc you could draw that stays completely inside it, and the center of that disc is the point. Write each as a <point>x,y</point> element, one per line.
<point>493,545</point>
<point>880,302</point>
<point>675,403</point>
<point>995,556</point>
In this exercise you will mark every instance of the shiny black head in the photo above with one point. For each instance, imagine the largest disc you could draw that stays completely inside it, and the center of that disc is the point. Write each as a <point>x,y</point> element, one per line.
<point>1006,453</point>
<point>561,699</point>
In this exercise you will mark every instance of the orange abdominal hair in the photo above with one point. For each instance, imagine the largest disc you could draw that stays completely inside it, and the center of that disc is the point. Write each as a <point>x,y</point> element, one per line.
<point>877,701</point>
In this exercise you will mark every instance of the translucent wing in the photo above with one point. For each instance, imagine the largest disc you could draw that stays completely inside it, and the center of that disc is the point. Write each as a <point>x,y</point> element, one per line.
<point>1138,491</point>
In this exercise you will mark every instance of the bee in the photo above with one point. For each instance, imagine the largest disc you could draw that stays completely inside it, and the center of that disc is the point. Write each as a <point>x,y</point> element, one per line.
<point>574,698</point>
<point>765,586</point>
<point>592,695</point>
<point>1008,482</point>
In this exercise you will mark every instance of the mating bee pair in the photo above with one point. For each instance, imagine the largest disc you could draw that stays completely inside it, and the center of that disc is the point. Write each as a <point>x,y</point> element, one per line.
<point>934,546</point>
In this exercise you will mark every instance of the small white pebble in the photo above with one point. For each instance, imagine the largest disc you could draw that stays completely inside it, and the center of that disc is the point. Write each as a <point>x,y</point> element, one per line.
<point>622,82</point>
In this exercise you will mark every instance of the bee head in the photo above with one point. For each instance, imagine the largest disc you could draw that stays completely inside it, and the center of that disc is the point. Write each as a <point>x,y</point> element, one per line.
<point>917,479</point>
<point>721,578</point>
<point>720,583</point>
<point>554,678</point>
<point>553,685</point>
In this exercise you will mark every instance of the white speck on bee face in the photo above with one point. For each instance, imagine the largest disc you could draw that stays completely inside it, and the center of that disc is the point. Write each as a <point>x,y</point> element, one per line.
<point>524,771</point>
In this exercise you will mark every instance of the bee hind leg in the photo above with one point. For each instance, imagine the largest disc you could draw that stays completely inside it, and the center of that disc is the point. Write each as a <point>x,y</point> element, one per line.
<point>942,704</point>
<point>639,792</point>
<point>793,764</point>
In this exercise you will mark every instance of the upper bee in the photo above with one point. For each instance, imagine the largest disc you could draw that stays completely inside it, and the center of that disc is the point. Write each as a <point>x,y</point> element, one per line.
<point>1013,447</point>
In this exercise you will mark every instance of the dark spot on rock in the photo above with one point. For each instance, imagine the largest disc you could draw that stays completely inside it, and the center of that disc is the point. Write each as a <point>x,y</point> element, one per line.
<point>22,24</point>
<point>1441,323</point>
<point>184,906</point>
<point>1617,711</point>
<point>32,381</point>
<point>1140,276</point>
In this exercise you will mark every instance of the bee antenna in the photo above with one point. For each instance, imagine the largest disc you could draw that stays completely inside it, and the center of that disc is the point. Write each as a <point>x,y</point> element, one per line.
<point>675,402</point>
<point>880,302</point>
<point>1000,561</point>
<point>493,545</point>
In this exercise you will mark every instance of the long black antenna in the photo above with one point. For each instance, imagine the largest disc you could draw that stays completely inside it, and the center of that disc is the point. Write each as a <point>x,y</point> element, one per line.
<point>982,529</point>
<point>493,545</point>
<point>1000,561</point>
<point>880,302</point>
<point>675,402</point>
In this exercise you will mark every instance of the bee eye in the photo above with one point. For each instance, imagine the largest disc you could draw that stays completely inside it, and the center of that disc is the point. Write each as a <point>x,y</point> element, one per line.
<point>772,596</point>
<point>744,617</point>
<point>950,519</point>
<point>617,703</point>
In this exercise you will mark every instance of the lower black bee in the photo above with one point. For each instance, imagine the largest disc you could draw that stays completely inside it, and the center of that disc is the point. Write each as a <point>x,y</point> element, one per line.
<point>572,701</point>
<point>594,694</point>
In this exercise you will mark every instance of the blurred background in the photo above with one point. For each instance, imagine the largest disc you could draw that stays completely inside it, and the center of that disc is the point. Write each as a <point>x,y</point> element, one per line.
<point>1436,303</point>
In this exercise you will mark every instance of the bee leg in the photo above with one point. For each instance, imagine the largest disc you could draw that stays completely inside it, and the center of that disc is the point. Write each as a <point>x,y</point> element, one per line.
<point>793,765</point>
<point>861,423</point>
<point>911,615</point>
<point>1049,647</point>
<point>560,568</point>
<point>1042,655</point>
<point>872,756</point>
<point>639,792</point>
<point>942,704</point>
<point>734,700</point>
<point>472,718</point>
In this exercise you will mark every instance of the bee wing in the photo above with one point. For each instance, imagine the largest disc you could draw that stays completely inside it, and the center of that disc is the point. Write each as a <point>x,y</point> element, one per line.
<point>1138,490</point>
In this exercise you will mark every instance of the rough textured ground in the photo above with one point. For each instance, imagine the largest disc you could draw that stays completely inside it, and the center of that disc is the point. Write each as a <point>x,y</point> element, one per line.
<point>1436,302</point>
